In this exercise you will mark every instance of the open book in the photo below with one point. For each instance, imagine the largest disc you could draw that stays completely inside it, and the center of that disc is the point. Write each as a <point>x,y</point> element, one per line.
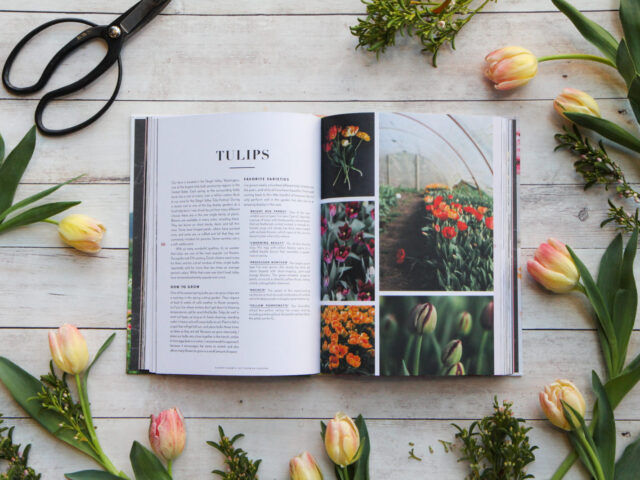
<point>288,244</point>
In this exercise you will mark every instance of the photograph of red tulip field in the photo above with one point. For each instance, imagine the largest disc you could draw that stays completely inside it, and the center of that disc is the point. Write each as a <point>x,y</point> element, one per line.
<point>436,203</point>
<point>436,335</point>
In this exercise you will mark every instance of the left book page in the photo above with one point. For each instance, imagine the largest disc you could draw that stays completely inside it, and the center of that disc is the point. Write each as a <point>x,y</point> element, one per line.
<point>224,263</point>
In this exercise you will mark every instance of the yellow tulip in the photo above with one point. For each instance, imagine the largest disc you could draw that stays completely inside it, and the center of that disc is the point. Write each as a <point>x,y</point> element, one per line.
<point>551,399</point>
<point>81,232</point>
<point>342,440</point>
<point>511,67</point>
<point>576,101</point>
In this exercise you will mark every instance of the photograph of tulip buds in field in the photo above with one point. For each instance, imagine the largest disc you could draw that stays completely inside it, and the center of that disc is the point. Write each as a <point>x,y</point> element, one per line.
<point>348,155</point>
<point>347,340</point>
<point>348,251</point>
<point>436,203</point>
<point>437,335</point>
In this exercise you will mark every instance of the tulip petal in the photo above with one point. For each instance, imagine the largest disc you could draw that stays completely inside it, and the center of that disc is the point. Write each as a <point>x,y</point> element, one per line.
<point>549,279</point>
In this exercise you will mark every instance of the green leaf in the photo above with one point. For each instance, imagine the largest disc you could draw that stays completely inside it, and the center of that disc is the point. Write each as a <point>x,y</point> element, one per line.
<point>604,434</point>
<point>634,95</point>
<point>579,435</point>
<point>590,30</point>
<point>146,465</point>
<point>622,384</point>
<point>630,18</point>
<point>597,302</point>
<point>24,387</point>
<point>34,198</point>
<point>625,63</point>
<point>14,166</point>
<point>104,346</point>
<point>37,214</point>
<point>607,129</point>
<point>1,149</point>
<point>609,271</point>
<point>625,312</point>
<point>627,466</point>
<point>361,467</point>
<point>91,475</point>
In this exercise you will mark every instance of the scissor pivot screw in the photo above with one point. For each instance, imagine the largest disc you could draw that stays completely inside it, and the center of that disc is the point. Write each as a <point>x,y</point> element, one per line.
<point>114,32</point>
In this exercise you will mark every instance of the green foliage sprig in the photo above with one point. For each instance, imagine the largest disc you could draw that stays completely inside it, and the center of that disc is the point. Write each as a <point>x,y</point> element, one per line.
<point>239,465</point>
<point>18,462</point>
<point>597,168</point>
<point>497,447</point>
<point>433,23</point>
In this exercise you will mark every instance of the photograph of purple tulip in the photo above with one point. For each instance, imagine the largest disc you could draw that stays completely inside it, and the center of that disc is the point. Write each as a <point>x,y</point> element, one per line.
<point>348,251</point>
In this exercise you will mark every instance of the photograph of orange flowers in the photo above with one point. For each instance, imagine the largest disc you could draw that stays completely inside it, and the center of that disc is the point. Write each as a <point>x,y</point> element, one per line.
<point>435,203</point>
<point>348,155</point>
<point>348,251</point>
<point>348,334</point>
<point>436,335</point>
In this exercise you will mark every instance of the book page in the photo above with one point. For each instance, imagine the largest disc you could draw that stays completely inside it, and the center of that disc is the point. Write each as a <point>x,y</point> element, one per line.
<point>413,263</point>
<point>237,276</point>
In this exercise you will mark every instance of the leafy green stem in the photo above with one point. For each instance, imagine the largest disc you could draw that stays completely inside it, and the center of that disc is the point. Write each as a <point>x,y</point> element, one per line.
<point>51,221</point>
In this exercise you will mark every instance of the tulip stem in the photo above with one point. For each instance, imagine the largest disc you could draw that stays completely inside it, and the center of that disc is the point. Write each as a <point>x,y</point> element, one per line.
<point>595,462</point>
<point>48,220</point>
<point>93,439</point>
<point>416,355</point>
<point>169,465</point>
<point>437,350</point>
<point>481,355</point>
<point>578,56</point>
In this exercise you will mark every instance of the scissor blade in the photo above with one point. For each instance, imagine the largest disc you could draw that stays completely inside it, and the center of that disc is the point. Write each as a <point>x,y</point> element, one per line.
<point>140,14</point>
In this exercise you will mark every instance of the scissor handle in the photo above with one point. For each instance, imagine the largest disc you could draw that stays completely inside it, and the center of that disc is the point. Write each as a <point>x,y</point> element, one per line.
<point>114,45</point>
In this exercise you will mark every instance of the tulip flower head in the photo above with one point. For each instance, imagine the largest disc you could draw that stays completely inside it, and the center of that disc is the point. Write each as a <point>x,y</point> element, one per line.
<point>511,67</point>
<point>551,399</point>
<point>342,440</point>
<point>553,267</point>
<point>69,349</point>
<point>452,353</point>
<point>81,232</point>
<point>486,319</point>
<point>304,467</point>
<point>576,101</point>
<point>423,318</point>
<point>167,434</point>
<point>465,322</point>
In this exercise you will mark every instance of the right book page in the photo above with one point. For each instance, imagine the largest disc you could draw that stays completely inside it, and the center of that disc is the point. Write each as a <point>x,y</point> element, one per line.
<point>435,244</point>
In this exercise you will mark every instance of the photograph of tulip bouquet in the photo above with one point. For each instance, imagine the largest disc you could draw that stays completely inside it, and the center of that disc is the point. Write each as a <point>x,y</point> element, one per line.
<point>348,251</point>
<point>436,203</point>
<point>348,155</point>
<point>440,335</point>
<point>348,339</point>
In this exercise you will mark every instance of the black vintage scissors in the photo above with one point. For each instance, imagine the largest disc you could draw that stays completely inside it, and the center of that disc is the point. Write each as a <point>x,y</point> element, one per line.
<point>115,35</point>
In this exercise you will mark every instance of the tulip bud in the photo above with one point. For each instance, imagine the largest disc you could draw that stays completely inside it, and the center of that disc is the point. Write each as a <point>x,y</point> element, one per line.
<point>511,67</point>
<point>423,318</point>
<point>553,267</point>
<point>81,232</point>
<point>576,101</point>
<point>457,369</point>
<point>486,319</point>
<point>551,399</point>
<point>464,323</point>
<point>167,434</point>
<point>452,353</point>
<point>69,349</point>
<point>304,467</point>
<point>342,440</point>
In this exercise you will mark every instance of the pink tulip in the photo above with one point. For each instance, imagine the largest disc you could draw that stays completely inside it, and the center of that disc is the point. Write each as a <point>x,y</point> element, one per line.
<point>304,467</point>
<point>553,267</point>
<point>69,349</point>
<point>167,434</point>
<point>551,399</point>
<point>511,67</point>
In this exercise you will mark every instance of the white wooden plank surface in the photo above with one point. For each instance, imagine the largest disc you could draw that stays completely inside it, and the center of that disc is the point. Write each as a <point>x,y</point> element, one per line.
<point>281,55</point>
<point>253,7</point>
